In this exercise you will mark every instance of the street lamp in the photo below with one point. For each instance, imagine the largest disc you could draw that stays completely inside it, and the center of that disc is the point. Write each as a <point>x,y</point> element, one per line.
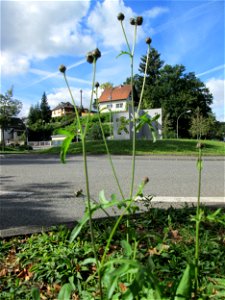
<point>185,112</point>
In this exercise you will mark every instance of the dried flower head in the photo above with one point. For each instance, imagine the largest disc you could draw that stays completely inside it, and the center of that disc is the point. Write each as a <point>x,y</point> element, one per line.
<point>97,84</point>
<point>90,57</point>
<point>120,17</point>
<point>200,145</point>
<point>139,20</point>
<point>148,40</point>
<point>62,69</point>
<point>132,21</point>
<point>145,180</point>
<point>93,55</point>
<point>96,53</point>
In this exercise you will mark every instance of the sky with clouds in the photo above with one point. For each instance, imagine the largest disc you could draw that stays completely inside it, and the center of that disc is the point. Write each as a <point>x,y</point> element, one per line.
<point>38,36</point>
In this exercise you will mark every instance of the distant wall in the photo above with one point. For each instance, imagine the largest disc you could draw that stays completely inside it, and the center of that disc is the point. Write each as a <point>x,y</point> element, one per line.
<point>144,132</point>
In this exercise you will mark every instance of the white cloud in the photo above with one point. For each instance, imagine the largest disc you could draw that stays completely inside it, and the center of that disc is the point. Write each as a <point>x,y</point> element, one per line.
<point>62,95</point>
<point>155,12</point>
<point>216,87</point>
<point>107,29</point>
<point>41,29</point>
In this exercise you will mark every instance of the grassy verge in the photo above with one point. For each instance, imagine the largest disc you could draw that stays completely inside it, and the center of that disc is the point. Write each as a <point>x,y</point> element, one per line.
<point>164,237</point>
<point>161,147</point>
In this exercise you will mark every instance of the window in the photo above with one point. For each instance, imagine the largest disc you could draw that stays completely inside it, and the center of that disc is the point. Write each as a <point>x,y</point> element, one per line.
<point>109,105</point>
<point>119,105</point>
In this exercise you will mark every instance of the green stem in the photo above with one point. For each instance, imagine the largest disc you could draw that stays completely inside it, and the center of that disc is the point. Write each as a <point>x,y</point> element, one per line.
<point>198,220</point>
<point>133,112</point>
<point>108,153</point>
<point>83,135</point>
<point>124,33</point>
<point>144,80</point>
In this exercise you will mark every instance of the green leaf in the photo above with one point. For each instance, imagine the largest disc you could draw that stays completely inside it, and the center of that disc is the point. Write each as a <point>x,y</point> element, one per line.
<point>79,226</point>
<point>66,143</point>
<point>102,198</point>
<point>184,288</point>
<point>87,261</point>
<point>126,247</point>
<point>146,119</point>
<point>123,53</point>
<point>65,292</point>
<point>35,294</point>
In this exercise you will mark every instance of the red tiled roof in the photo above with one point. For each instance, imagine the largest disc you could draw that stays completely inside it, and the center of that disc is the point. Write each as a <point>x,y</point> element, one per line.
<point>121,92</point>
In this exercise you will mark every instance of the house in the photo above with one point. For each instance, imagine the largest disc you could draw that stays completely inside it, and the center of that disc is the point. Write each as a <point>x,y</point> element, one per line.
<point>64,108</point>
<point>116,99</point>
<point>14,132</point>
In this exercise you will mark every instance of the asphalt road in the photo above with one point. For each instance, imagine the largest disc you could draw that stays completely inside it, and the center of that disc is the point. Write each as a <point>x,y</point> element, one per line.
<point>38,190</point>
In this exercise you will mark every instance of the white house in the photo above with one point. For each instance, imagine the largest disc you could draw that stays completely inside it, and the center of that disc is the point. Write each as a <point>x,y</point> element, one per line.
<point>115,99</point>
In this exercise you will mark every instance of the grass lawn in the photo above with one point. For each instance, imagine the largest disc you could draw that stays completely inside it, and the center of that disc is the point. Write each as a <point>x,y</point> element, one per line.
<point>161,147</point>
<point>164,240</point>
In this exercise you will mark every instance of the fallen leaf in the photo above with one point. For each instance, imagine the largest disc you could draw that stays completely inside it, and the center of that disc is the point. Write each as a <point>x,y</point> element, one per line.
<point>123,287</point>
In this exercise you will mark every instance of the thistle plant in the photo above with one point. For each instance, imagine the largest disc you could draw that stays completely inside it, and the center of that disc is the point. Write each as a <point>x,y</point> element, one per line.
<point>139,277</point>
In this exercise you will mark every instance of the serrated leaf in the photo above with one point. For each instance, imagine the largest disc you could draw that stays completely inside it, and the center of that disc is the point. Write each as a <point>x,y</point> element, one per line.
<point>65,292</point>
<point>184,288</point>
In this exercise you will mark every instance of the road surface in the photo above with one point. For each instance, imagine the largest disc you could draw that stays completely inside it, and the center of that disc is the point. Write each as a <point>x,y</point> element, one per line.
<point>37,190</point>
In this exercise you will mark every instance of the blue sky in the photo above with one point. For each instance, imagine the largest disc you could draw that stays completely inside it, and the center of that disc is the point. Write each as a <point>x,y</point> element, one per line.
<point>38,36</point>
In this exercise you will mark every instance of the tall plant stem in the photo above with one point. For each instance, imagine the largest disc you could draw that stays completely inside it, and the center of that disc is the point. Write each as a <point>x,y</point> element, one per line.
<point>83,136</point>
<point>198,218</point>
<point>133,118</point>
<point>113,232</point>
<point>108,154</point>
<point>144,80</point>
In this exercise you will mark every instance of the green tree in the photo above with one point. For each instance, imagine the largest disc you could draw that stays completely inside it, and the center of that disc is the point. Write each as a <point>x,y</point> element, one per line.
<point>106,85</point>
<point>34,114</point>
<point>200,125</point>
<point>9,108</point>
<point>45,109</point>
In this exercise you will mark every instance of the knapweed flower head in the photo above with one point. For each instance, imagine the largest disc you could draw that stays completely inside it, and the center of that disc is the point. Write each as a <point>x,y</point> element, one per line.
<point>136,21</point>
<point>148,40</point>
<point>132,21</point>
<point>93,55</point>
<point>139,20</point>
<point>62,69</point>
<point>97,84</point>
<point>120,17</point>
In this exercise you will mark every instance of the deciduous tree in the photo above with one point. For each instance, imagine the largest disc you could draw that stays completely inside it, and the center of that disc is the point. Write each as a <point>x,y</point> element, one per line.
<point>9,107</point>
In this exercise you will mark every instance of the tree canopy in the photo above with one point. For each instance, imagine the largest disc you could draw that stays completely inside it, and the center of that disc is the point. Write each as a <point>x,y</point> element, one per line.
<point>173,89</point>
<point>9,108</point>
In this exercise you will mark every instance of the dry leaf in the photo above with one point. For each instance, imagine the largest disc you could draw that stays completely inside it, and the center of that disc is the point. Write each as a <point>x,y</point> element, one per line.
<point>123,287</point>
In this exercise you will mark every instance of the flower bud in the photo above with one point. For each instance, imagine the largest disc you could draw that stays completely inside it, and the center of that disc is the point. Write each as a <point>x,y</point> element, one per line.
<point>96,84</point>
<point>120,17</point>
<point>90,57</point>
<point>148,40</point>
<point>139,20</point>
<point>96,53</point>
<point>62,69</point>
<point>132,21</point>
